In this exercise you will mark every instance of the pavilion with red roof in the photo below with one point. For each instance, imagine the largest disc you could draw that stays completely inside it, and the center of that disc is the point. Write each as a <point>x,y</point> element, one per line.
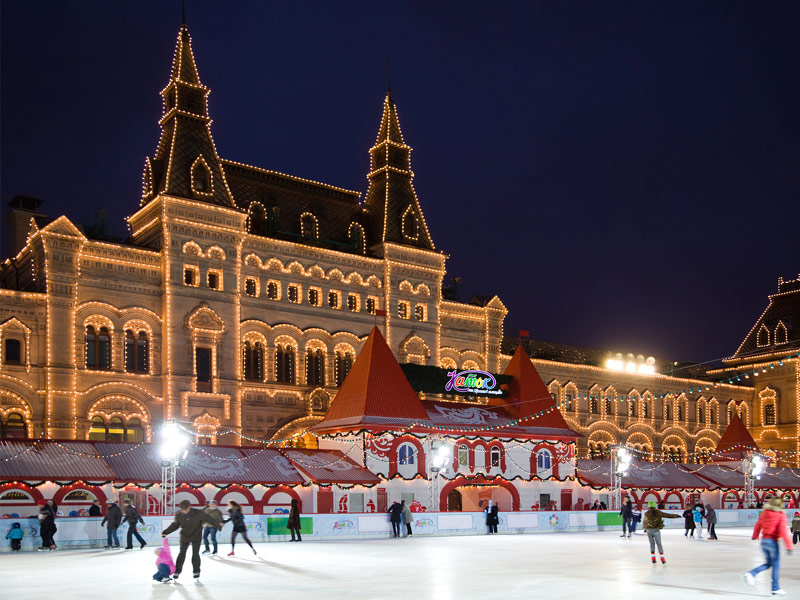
<point>736,443</point>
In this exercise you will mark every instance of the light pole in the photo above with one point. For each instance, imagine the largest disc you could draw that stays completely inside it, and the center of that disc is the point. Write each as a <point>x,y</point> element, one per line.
<point>753,468</point>
<point>439,457</point>
<point>173,455</point>
<point>620,463</point>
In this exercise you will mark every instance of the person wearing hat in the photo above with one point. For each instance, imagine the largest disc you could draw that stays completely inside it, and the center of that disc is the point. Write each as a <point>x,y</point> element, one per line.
<point>773,526</point>
<point>112,521</point>
<point>47,526</point>
<point>652,524</point>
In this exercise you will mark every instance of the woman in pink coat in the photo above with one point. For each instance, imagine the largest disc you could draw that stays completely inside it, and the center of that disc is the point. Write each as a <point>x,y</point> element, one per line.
<point>773,526</point>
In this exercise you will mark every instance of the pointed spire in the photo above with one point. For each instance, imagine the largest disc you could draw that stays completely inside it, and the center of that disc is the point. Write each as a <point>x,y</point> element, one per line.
<point>186,163</point>
<point>375,394</point>
<point>528,396</point>
<point>736,442</point>
<point>391,200</point>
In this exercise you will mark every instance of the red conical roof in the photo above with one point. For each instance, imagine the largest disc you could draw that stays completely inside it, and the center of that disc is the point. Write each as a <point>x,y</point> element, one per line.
<point>375,393</point>
<point>736,442</point>
<point>528,396</point>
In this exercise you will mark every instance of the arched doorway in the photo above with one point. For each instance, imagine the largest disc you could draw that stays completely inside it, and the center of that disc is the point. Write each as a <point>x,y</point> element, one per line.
<point>454,501</point>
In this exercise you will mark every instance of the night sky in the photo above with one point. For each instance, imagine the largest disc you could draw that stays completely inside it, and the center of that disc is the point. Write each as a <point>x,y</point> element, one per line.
<point>624,175</point>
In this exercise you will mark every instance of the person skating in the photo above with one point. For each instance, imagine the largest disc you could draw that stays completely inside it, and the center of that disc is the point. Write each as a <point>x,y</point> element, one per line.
<point>796,528</point>
<point>210,531</point>
<point>653,523</point>
<point>15,534</point>
<point>293,523</point>
<point>773,526</point>
<point>190,521</point>
<point>239,527</point>
<point>395,517</point>
<point>112,521</point>
<point>697,517</point>
<point>492,517</point>
<point>688,523</point>
<point>47,526</point>
<point>407,517</point>
<point>711,521</point>
<point>627,516</point>
<point>636,519</point>
<point>95,510</point>
<point>132,516</point>
<point>165,567</point>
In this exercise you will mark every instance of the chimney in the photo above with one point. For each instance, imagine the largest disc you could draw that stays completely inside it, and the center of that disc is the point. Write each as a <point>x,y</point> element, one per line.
<point>21,210</point>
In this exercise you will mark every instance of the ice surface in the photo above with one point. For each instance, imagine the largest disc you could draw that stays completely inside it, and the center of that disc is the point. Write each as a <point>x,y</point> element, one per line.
<point>596,566</point>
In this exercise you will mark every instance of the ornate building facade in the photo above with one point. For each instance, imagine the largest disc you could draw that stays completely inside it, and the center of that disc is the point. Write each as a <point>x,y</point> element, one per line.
<point>242,297</point>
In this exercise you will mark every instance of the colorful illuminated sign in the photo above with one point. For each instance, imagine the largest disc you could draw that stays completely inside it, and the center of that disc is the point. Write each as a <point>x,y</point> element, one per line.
<point>472,382</point>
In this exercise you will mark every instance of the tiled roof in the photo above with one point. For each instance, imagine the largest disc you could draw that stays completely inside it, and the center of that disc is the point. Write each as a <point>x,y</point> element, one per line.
<point>735,442</point>
<point>725,477</point>
<point>783,307</point>
<point>205,464</point>
<point>330,467</point>
<point>375,389</point>
<point>641,475</point>
<point>52,461</point>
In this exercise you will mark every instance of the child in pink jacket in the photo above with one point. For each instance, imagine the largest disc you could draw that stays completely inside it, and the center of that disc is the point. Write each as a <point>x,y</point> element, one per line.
<point>773,526</point>
<point>164,563</point>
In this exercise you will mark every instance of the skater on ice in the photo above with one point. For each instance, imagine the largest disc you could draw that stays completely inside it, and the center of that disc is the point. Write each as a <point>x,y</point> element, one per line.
<point>112,521</point>
<point>688,523</point>
<point>190,522</point>
<point>796,528</point>
<point>239,527</point>
<point>652,524</point>
<point>772,525</point>
<point>627,517</point>
<point>15,534</point>
<point>711,521</point>
<point>210,531</point>
<point>165,567</point>
<point>132,517</point>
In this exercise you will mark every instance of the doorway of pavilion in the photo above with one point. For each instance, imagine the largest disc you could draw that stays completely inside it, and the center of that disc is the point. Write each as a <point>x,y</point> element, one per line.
<point>474,498</point>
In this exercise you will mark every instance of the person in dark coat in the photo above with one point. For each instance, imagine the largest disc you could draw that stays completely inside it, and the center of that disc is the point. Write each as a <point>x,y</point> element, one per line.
<point>210,531</point>
<point>293,524</point>
<point>492,516</point>
<point>112,521</point>
<point>408,518</point>
<point>627,517</point>
<point>47,526</point>
<point>688,523</point>
<point>190,521</point>
<point>711,519</point>
<point>132,517</point>
<point>95,510</point>
<point>395,516</point>
<point>239,527</point>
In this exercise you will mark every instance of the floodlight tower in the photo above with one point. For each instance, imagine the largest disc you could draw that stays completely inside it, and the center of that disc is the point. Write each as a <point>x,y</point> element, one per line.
<point>620,463</point>
<point>439,458</point>
<point>173,455</point>
<point>753,467</point>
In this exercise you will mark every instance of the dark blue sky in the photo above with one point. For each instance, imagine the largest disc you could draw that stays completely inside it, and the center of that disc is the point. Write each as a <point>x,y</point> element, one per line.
<point>623,175</point>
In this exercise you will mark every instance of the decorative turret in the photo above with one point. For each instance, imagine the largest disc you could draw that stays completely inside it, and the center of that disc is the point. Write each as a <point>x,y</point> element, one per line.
<point>186,163</point>
<point>391,200</point>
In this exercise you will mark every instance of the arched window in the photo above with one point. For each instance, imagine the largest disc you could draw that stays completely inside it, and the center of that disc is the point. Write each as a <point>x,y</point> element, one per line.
<point>543,461</point>
<point>763,336</point>
<point>609,406</point>
<point>315,367</point>
<point>257,219</point>
<point>410,224</point>
<point>644,409</point>
<point>253,361</point>
<point>98,348</point>
<point>781,335</point>
<point>494,456</point>
<point>406,455</point>
<point>116,430</point>
<point>679,412</point>
<point>357,238</point>
<point>769,414</point>
<point>97,432</point>
<point>12,351</point>
<point>344,362</point>
<point>136,352</point>
<point>134,432</point>
<point>201,178</point>
<point>463,455</point>
<point>308,226</point>
<point>284,364</point>
<point>632,408</point>
<point>568,401</point>
<point>14,428</point>
<point>593,405</point>
<point>712,415</point>
<point>701,414</point>
<point>666,410</point>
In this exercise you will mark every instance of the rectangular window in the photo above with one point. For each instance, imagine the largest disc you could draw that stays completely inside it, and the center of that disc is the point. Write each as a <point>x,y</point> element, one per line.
<point>769,414</point>
<point>402,310</point>
<point>214,279</point>
<point>294,294</point>
<point>355,502</point>
<point>352,303</point>
<point>250,287</point>
<point>202,362</point>
<point>372,305</point>
<point>273,290</point>
<point>420,313</point>
<point>12,352</point>
<point>408,498</point>
<point>333,300</point>
<point>191,275</point>
<point>568,401</point>
<point>314,297</point>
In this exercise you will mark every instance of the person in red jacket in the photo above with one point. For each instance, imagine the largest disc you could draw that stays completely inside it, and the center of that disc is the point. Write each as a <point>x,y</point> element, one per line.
<point>773,526</point>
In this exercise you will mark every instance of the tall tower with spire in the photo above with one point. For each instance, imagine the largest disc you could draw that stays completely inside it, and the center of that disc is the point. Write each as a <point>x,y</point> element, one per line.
<point>186,163</point>
<point>391,200</point>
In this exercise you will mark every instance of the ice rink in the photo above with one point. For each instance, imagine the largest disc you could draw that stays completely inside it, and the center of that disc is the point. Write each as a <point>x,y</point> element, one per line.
<point>595,565</point>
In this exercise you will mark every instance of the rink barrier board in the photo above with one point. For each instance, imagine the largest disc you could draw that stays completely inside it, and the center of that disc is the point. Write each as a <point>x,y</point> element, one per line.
<point>86,532</point>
